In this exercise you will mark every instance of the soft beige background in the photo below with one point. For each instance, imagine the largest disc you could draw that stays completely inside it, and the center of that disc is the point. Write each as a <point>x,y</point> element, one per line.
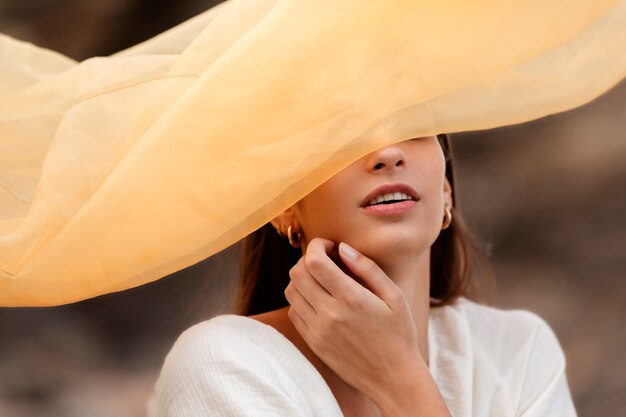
<point>548,196</point>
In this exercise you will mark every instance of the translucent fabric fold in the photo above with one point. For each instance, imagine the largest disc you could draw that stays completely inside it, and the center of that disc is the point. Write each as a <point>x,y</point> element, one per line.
<point>119,170</point>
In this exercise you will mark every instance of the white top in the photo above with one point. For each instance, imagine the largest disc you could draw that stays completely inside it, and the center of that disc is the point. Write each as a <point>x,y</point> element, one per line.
<point>486,362</point>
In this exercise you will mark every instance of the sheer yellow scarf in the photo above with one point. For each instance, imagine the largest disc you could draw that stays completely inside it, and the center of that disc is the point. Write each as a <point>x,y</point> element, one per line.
<point>119,170</point>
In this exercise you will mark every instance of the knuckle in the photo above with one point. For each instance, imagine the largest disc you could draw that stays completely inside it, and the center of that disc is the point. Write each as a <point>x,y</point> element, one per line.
<point>297,267</point>
<point>313,262</point>
<point>293,273</point>
<point>289,298</point>
<point>351,300</point>
<point>369,267</point>
<point>288,291</point>
<point>332,317</point>
<point>314,241</point>
<point>397,297</point>
<point>296,273</point>
<point>321,349</point>
<point>312,245</point>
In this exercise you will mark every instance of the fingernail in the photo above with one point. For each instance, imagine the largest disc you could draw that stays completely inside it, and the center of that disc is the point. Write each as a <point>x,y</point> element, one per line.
<point>348,251</point>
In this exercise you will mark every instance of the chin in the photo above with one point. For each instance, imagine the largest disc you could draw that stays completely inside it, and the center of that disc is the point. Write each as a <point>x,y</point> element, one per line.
<point>385,246</point>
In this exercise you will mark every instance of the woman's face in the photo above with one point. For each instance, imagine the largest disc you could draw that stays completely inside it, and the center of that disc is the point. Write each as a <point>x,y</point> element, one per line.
<point>409,176</point>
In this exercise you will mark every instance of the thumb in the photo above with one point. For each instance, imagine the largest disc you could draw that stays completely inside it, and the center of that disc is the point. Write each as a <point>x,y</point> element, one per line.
<point>371,274</point>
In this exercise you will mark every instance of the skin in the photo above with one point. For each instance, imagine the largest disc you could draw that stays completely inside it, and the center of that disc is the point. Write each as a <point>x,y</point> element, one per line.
<point>359,296</point>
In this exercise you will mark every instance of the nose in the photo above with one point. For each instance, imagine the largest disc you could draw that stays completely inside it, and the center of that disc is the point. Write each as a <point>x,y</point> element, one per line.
<point>386,159</point>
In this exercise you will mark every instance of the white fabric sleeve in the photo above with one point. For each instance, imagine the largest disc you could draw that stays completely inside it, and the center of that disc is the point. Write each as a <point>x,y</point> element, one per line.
<point>213,371</point>
<point>545,392</point>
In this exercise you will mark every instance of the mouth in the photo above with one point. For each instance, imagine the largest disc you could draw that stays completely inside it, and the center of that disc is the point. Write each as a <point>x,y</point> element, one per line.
<point>390,194</point>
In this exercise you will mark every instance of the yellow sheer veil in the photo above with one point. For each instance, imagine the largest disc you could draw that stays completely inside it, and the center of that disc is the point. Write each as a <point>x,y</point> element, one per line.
<point>117,171</point>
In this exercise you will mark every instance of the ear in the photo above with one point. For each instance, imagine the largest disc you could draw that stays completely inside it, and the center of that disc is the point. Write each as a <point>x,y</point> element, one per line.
<point>447,193</point>
<point>285,219</point>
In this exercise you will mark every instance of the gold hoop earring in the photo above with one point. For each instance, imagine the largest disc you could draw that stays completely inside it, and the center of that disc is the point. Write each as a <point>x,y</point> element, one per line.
<point>294,242</point>
<point>447,218</point>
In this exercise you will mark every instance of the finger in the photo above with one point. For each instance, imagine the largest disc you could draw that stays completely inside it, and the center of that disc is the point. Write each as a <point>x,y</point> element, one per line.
<point>326,272</point>
<point>314,293</point>
<point>299,303</point>
<point>371,274</point>
<point>299,324</point>
<point>326,244</point>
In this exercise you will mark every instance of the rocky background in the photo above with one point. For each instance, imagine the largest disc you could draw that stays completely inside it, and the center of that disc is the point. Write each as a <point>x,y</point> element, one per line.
<point>548,197</point>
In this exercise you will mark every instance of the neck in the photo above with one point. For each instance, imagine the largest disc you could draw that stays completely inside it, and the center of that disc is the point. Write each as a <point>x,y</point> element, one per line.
<point>412,274</point>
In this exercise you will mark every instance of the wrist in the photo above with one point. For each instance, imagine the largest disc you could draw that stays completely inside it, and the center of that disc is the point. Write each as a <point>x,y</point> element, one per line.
<point>413,392</point>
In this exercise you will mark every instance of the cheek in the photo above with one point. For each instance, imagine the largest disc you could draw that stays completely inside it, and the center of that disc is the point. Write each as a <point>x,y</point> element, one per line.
<point>322,214</point>
<point>435,217</point>
<point>433,202</point>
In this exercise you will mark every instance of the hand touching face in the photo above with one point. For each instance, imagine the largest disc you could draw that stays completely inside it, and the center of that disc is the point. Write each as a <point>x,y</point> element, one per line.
<point>364,333</point>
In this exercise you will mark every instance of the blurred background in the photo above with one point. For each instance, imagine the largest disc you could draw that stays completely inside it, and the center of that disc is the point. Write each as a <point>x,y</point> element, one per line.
<point>548,197</point>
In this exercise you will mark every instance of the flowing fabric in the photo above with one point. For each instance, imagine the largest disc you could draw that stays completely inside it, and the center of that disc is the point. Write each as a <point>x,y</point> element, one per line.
<point>119,170</point>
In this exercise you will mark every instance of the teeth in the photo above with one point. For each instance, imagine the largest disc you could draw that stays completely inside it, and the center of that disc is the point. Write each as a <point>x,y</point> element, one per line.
<point>397,196</point>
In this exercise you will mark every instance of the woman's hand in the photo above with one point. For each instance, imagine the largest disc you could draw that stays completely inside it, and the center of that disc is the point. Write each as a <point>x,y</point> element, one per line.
<point>364,333</point>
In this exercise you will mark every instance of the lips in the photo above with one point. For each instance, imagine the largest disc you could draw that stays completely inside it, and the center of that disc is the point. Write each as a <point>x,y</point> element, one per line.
<point>390,189</point>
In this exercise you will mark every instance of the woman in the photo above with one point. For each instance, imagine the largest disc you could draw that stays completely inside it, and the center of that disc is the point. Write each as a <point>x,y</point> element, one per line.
<point>127,166</point>
<point>359,336</point>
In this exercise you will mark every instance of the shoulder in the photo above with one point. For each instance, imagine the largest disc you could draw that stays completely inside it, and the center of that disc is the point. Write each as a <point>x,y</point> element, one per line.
<point>509,335</point>
<point>224,342</point>
<point>492,325</point>
<point>503,354</point>
<point>239,364</point>
<point>217,332</point>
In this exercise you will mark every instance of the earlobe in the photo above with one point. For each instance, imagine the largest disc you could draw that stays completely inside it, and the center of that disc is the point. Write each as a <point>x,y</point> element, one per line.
<point>287,225</point>
<point>284,220</point>
<point>447,205</point>
<point>280,223</point>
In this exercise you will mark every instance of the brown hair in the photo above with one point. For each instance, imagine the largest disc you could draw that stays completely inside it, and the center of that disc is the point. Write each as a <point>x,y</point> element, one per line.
<point>267,259</point>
